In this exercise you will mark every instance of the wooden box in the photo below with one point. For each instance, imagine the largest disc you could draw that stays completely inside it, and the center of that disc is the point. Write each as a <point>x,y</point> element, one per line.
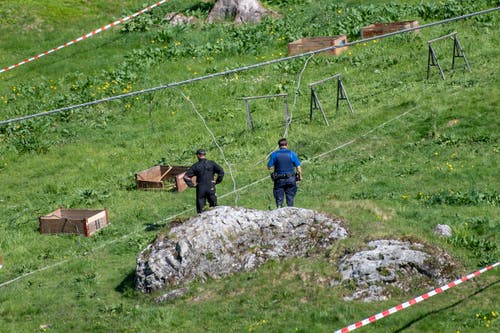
<point>162,177</point>
<point>73,221</point>
<point>317,43</point>
<point>377,29</point>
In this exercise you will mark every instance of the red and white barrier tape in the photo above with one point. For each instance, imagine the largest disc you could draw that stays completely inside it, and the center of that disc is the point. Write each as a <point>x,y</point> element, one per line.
<point>90,34</point>
<point>413,301</point>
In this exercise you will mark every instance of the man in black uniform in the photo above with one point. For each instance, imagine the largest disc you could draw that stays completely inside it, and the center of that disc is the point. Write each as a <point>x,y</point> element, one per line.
<point>204,171</point>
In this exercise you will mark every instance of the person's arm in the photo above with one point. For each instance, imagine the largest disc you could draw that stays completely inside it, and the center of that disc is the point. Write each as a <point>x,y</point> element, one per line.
<point>296,162</point>
<point>270,164</point>
<point>220,173</point>
<point>187,177</point>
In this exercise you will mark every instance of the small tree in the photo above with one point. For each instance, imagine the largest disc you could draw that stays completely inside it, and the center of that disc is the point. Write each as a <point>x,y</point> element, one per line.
<point>241,10</point>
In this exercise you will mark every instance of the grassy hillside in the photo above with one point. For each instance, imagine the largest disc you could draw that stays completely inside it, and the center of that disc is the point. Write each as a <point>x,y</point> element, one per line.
<point>415,153</point>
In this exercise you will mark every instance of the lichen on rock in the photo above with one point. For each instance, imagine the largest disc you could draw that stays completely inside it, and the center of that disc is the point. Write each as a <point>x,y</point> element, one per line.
<point>226,240</point>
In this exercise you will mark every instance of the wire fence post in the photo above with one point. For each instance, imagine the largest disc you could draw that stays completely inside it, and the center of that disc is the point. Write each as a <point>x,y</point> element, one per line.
<point>249,116</point>
<point>288,120</point>
<point>315,104</point>
<point>342,95</point>
<point>432,60</point>
<point>458,52</point>
<point>248,111</point>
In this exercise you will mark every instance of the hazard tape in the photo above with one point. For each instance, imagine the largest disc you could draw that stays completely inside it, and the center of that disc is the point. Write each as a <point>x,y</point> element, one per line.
<point>413,301</point>
<point>90,34</point>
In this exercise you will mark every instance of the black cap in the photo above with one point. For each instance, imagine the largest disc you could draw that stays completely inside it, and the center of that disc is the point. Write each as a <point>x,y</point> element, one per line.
<point>201,152</point>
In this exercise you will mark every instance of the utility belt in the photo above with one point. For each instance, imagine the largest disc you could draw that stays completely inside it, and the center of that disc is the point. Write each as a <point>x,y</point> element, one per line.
<point>276,176</point>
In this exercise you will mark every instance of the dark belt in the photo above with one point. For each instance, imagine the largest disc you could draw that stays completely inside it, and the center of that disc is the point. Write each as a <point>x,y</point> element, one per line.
<point>287,175</point>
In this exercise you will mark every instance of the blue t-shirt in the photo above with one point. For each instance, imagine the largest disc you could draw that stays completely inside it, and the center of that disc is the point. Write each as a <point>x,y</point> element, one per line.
<point>283,160</point>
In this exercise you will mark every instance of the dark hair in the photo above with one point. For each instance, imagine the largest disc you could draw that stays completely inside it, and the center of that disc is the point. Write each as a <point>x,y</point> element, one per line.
<point>201,152</point>
<point>282,142</point>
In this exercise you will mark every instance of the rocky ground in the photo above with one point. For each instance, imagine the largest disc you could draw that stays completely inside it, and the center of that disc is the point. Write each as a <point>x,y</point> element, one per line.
<point>227,240</point>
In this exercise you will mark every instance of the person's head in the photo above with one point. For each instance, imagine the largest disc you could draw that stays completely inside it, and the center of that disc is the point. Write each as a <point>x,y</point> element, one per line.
<point>201,153</point>
<point>282,143</point>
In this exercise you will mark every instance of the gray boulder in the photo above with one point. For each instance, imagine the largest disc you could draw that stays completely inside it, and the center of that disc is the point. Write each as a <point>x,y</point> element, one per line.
<point>443,230</point>
<point>226,240</point>
<point>396,263</point>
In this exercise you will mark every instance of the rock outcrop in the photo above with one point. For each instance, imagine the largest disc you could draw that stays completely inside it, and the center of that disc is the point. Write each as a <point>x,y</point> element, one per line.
<point>180,19</point>
<point>226,240</point>
<point>443,230</point>
<point>242,11</point>
<point>395,263</point>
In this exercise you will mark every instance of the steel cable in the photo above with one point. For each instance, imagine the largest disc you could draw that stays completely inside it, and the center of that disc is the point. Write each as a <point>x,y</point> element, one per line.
<point>215,142</point>
<point>235,191</point>
<point>240,69</point>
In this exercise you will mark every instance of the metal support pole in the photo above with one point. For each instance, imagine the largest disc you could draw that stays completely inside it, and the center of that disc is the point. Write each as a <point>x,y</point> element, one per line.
<point>312,104</point>
<point>316,105</point>
<point>249,116</point>
<point>287,115</point>
<point>342,94</point>
<point>338,95</point>
<point>442,37</point>
<point>458,52</point>
<point>433,61</point>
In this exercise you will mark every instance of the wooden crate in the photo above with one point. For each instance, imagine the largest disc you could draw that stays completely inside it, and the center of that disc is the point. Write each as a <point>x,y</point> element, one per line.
<point>73,221</point>
<point>317,43</point>
<point>377,29</point>
<point>162,177</point>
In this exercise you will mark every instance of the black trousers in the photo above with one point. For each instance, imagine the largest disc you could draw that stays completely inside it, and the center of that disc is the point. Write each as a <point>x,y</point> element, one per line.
<point>204,193</point>
<point>285,188</point>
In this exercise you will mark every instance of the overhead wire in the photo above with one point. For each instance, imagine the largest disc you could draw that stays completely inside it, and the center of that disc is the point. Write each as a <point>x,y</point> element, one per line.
<point>295,94</point>
<point>235,190</point>
<point>292,108</point>
<point>215,142</point>
<point>240,69</point>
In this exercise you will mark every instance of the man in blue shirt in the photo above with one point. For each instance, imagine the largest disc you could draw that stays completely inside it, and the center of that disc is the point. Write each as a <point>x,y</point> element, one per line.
<point>284,162</point>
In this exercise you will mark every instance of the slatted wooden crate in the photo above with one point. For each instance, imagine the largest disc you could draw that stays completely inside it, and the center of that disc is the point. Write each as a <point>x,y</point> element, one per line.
<point>377,29</point>
<point>162,177</point>
<point>317,43</point>
<point>73,221</point>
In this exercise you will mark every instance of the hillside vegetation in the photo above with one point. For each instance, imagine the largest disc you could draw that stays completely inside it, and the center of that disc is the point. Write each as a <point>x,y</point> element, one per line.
<point>415,153</point>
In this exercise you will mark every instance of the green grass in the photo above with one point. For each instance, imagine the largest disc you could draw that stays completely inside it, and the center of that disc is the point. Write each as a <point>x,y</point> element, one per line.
<point>415,153</point>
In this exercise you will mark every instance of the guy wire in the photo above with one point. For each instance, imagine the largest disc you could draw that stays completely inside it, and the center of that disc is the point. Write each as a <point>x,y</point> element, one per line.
<point>235,191</point>
<point>289,121</point>
<point>241,69</point>
<point>215,141</point>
